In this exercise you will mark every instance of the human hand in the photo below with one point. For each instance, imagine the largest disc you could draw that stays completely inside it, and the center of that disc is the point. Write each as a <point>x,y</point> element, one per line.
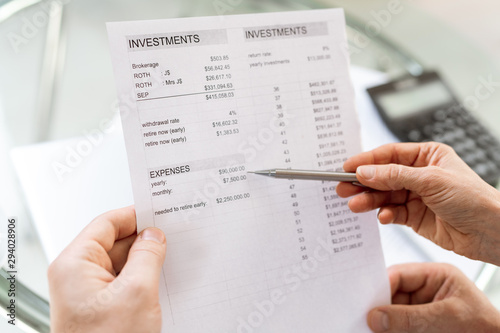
<point>427,187</point>
<point>430,297</point>
<point>107,279</point>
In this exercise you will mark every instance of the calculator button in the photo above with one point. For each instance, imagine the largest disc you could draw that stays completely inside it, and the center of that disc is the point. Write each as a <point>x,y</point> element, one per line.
<point>439,138</point>
<point>460,148</point>
<point>480,156</point>
<point>447,138</point>
<point>438,129</point>
<point>474,129</point>
<point>442,137</point>
<point>415,135</point>
<point>466,116</point>
<point>469,144</point>
<point>428,129</point>
<point>460,122</point>
<point>491,155</point>
<point>485,141</point>
<point>449,124</point>
<point>491,140</point>
<point>440,115</point>
<point>481,169</point>
<point>459,133</point>
<point>492,166</point>
<point>496,156</point>
<point>469,159</point>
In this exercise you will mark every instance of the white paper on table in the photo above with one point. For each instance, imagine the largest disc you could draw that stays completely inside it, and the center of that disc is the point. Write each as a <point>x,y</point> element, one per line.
<point>65,189</point>
<point>203,101</point>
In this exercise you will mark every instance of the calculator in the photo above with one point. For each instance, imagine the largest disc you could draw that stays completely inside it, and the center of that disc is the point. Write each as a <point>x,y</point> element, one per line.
<point>423,108</point>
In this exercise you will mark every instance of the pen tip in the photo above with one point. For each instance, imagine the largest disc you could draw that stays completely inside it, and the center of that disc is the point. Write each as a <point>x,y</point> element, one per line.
<point>262,172</point>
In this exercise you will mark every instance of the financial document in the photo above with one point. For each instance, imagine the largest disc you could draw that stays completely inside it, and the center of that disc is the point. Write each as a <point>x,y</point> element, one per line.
<point>205,100</point>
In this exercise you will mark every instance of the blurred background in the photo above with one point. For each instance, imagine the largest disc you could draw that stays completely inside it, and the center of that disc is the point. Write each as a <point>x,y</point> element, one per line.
<point>56,86</point>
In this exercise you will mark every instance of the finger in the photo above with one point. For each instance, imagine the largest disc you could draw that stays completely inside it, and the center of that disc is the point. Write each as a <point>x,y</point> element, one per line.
<point>395,177</point>
<point>401,298</point>
<point>400,153</point>
<point>97,239</point>
<point>372,200</point>
<point>397,214</point>
<point>145,260</point>
<point>109,227</point>
<point>345,190</point>
<point>413,213</point>
<point>417,283</point>
<point>427,318</point>
<point>119,253</point>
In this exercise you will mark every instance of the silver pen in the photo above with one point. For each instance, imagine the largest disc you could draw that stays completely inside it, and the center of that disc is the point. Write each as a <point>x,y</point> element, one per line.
<point>309,175</point>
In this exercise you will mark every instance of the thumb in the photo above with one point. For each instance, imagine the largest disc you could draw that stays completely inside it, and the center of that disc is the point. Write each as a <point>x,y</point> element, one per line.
<point>145,259</point>
<point>393,177</point>
<point>408,318</point>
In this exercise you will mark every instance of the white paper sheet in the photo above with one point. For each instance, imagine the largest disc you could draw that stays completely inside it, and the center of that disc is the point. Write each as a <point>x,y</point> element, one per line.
<point>203,101</point>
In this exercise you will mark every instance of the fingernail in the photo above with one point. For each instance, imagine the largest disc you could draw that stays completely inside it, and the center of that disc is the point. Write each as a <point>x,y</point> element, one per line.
<point>153,234</point>
<point>380,321</point>
<point>367,172</point>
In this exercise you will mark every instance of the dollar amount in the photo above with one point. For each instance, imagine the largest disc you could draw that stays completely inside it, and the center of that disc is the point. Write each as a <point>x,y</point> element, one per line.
<point>221,95</point>
<point>346,238</point>
<point>319,57</point>
<point>231,198</point>
<point>225,123</point>
<point>219,58</point>
<point>217,68</point>
<point>217,77</point>
<point>228,132</point>
<point>225,171</point>
<point>331,153</point>
<point>230,180</point>
<point>220,86</point>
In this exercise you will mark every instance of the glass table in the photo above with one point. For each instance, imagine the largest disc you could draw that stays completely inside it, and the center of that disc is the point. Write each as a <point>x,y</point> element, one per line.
<point>54,56</point>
